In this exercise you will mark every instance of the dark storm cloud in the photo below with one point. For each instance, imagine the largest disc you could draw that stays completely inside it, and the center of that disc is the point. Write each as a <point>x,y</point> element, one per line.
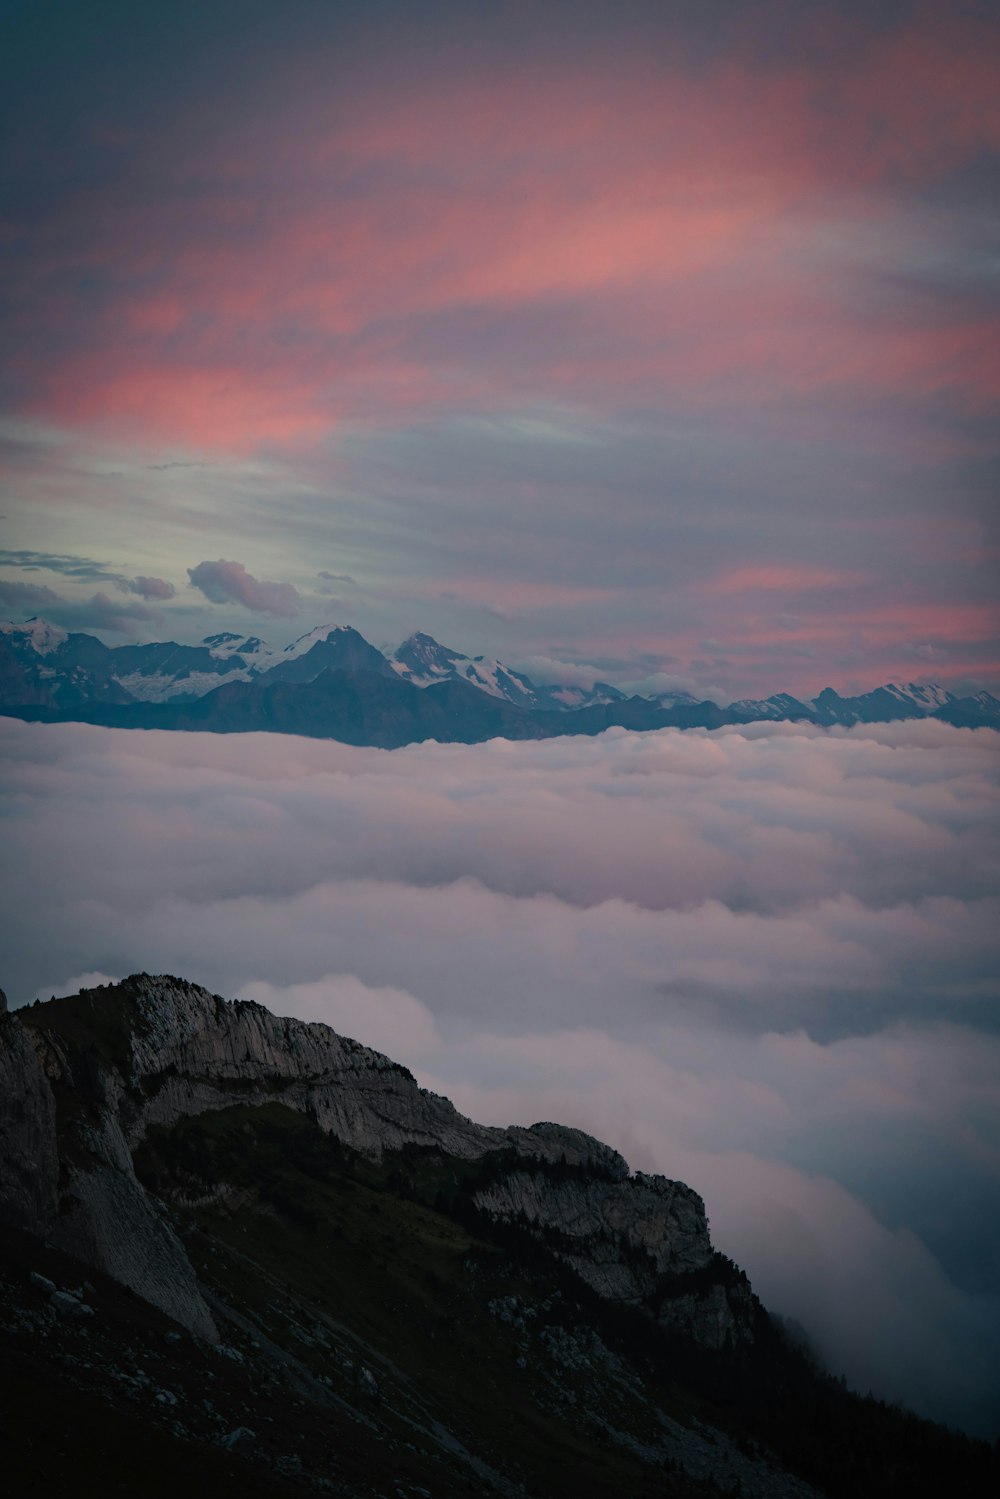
<point>762,961</point>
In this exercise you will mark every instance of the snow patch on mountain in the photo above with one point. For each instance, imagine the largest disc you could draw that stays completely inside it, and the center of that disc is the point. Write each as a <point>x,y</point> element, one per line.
<point>306,642</point>
<point>927,698</point>
<point>37,634</point>
<point>780,706</point>
<point>423,661</point>
<point>161,688</point>
<point>249,648</point>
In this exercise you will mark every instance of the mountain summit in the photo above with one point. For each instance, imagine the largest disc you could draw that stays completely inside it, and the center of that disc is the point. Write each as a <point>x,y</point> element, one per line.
<point>423,662</point>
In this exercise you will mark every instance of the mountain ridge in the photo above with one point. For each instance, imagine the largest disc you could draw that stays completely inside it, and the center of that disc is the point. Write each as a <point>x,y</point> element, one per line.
<point>44,667</point>
<point>259,1251</point>
<point>167,1049</point>
<point>332,683</point>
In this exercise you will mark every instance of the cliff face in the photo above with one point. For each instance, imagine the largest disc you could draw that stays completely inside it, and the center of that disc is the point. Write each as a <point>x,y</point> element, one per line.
<point>84,1079</point>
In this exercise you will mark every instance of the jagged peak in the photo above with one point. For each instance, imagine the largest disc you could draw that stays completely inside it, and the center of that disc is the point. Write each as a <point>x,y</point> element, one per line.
<point>420,644</point>
<point>313,637</point>
<point>42,635</point>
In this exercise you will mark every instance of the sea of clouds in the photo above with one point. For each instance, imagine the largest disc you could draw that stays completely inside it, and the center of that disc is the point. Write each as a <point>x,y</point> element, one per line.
<point>760,960</point>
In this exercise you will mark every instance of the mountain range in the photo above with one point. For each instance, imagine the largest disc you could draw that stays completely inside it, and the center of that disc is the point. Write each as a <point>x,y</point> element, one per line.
<point>332,683</point>
<point>242,1254</point>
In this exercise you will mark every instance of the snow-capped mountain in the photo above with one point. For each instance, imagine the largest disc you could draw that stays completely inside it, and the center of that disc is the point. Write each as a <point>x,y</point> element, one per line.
<point>882,705</point>
<point>782,706</point>
<point>43,666</point>
<point>36,635</point>
<point>423,661</point>
<point>328,646</point>
<point>248,647</point>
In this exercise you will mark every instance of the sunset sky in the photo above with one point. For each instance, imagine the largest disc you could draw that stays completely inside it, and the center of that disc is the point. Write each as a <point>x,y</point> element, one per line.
<point>656,342</point>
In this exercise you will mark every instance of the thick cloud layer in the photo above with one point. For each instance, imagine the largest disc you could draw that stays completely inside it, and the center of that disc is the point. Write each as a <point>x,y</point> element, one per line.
<point>761,961</point>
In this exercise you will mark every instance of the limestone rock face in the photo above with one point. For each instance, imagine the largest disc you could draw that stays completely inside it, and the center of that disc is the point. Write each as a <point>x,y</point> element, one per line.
<point>618,1235</point>
<point>107,1219</point>
<point>83,1079</point>
<point>66,1173</point>
<point>193,1051</point>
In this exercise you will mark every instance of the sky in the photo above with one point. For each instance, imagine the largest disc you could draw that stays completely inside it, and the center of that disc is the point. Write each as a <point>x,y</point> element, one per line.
<point>761,961</point>
<point>650,342</point>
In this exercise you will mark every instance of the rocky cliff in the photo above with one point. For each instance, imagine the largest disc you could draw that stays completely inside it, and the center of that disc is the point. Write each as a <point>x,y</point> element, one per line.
<point>84,1079</point>
<point>379,1295</point>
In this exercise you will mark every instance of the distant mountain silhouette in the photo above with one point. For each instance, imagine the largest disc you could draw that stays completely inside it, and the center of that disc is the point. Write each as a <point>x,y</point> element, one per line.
<point>334,684</point>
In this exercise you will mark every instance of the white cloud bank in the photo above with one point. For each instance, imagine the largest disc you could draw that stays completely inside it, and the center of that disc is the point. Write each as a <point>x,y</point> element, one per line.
<point>760,960</point>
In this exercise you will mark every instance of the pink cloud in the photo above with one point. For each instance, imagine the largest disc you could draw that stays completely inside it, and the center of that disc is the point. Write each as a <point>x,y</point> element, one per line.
<point>229,582</point>
<point>779,578</point>
<point>152,588</point>
<point>684,210</point>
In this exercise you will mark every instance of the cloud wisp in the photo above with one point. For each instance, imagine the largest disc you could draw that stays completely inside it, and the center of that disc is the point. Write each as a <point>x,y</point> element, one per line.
<point>762,961</point>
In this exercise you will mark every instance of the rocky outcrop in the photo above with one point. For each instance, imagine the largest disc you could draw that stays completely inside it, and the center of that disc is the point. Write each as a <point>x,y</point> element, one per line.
<point>192,1051</point>
<point>67,1173</point>
<point>85,1078</point>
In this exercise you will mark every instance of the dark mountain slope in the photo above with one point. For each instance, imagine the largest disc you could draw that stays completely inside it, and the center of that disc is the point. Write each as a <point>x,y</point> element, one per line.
<point>339,1285</point>
<point>385,711</point>
<point>342,649</point>
<point>354,707</point>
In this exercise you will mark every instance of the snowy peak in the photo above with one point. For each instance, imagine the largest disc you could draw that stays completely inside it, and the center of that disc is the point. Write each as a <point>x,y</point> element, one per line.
<point>224,641</point>
<point>328,647</point>
<point>781,706</point>
<point>250,649</point>
<point>927,698</point>
<point>36,635</point>
<point>883,704</point>
<point>499,681</point>
<point>317,636</point>
<point>423,661</point>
